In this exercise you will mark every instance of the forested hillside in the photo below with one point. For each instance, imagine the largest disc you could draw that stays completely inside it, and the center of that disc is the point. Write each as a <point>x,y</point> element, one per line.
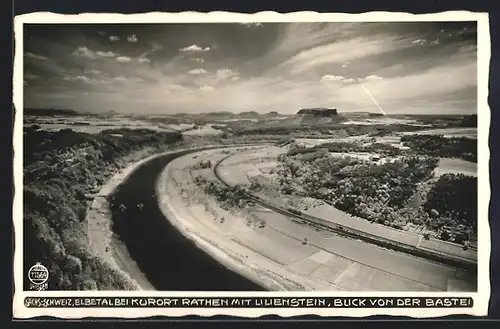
<point>62,170</point>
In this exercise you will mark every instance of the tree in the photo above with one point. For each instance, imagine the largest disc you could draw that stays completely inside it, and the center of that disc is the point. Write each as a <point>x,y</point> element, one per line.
<point>445,236</point>
<point>73,264</point>
<point>88,284</point>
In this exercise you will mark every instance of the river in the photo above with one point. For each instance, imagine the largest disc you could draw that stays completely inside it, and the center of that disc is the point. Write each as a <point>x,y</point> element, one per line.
<point>170,261</point>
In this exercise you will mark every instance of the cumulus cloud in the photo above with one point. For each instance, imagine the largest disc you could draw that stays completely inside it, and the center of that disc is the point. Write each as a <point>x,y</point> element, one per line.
<point>223,74</point>
<point>206,88</point>
<point>114,38</point>
<point>143,60</point>
<point>90,54</point>
<point>419,42</point>
<point>80,78</point>
<point>372,78</point>
<point>194,48</point>
<point>123,59</point>
<point>214,78</point>
<point>197,72</point>
<point>105,53</point>
<point>132,38</point>
<point>330,77</point>
<point>85,52</point>
<point>198,59</point>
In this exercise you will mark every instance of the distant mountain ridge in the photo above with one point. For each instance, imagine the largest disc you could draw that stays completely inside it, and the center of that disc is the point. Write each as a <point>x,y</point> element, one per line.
<point>318,112</point>
<point>50,112</point>
<point>315,116</point>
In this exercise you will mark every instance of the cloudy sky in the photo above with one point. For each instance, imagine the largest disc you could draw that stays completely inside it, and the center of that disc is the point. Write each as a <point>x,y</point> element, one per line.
<point>428,68</point>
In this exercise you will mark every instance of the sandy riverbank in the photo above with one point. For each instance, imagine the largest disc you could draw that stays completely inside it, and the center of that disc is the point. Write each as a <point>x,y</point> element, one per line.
<point>103,243</point>
<point>100,233</point>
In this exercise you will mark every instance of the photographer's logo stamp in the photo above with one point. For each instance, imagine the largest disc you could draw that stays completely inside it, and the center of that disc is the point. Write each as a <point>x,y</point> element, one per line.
<point>38,276</point>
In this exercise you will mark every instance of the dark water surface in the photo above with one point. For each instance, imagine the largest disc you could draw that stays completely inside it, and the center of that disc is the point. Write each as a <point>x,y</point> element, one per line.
<point>168,259</point>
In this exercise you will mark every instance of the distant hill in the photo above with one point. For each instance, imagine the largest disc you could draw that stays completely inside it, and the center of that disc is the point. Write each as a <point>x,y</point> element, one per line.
<point>272,114</point>
<point>315,116</point>
<point>362,114</point>
<point>319,112</point>
<point>50,112</point>
<point>219,114</point>
<point>248,114</point>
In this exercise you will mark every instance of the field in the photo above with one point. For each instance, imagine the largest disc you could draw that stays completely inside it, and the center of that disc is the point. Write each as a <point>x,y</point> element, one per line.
<point>384,121</point>
<point>94,125</point>
<point>248,167</point>
<point>448,132</point>
<point>203,130</point>
<point>326,258</point>
<point>456,166</point>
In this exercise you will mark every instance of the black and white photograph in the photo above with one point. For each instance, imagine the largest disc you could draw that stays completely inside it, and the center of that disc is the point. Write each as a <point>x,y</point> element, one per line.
<point>252,156</point>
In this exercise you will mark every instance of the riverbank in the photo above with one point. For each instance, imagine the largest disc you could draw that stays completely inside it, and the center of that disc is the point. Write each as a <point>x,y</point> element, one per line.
<point>129,241</point>
<point>102,242</point>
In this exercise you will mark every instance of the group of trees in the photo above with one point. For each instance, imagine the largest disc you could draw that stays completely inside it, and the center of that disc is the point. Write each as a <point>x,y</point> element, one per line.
<point>437,145</point>
<point>452,204</point>
<point>383,130</point>
<point>61,171</point>
<point>284,141</point>
<point>381,192</point>
<point>287,127</point>
<point>349,182</point>
<point>344,147</point>
<point>432,145</point>
<point>227,197</point>
<point>448,121</point>
<point>203,164</point>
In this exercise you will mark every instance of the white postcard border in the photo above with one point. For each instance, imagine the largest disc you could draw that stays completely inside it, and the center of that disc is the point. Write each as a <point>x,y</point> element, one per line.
<point>481,298</point>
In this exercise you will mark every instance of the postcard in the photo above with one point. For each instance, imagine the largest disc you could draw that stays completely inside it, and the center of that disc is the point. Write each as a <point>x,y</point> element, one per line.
<point>171,164</point>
